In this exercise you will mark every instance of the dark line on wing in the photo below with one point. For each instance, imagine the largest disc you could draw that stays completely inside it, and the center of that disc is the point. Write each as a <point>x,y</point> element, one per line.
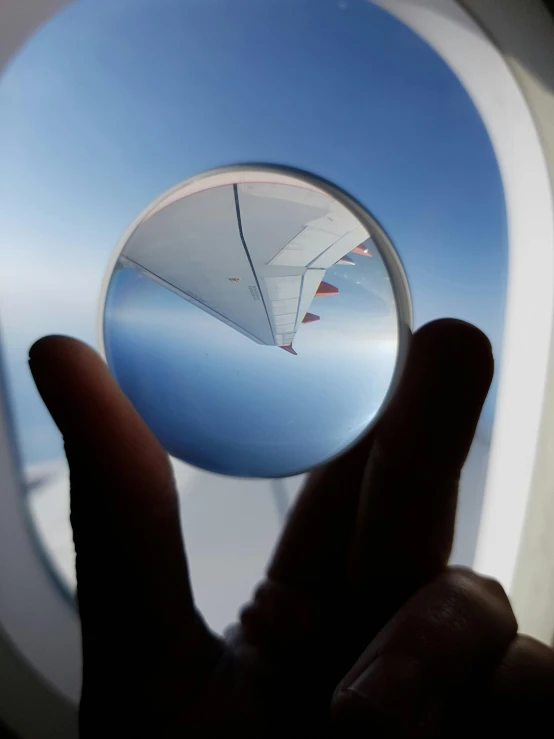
<point>239,221</point>
<point>299,298</point>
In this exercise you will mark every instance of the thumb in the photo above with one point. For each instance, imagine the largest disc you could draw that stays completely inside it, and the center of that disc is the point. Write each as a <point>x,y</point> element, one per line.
<point>452,633</point>
<point>139,625</point>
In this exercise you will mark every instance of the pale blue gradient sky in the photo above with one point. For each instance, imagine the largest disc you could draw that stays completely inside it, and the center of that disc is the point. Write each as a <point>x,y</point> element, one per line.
<point>227,404</point>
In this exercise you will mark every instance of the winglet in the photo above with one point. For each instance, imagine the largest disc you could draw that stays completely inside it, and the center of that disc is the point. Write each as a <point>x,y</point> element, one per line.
<point>288,348</point>
<point>363,250</point>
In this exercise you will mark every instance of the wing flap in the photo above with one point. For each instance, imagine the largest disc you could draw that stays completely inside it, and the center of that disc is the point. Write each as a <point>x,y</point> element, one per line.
<point>194,247</point>
<point>342,246</point>
<point>304,248</point>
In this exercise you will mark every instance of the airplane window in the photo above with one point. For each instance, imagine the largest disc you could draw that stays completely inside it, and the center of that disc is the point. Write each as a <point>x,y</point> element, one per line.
<point>230,526</point>
<point>115,102</point>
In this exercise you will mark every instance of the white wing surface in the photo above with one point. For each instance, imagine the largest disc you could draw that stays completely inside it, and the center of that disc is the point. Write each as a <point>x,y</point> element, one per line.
<point>253,255</point>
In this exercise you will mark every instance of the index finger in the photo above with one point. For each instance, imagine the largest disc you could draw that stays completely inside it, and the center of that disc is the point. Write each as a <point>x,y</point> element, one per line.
<point>137,612</point>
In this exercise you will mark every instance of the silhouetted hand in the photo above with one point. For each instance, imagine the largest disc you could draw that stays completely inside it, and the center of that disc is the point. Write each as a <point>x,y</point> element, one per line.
<point>359,628</point>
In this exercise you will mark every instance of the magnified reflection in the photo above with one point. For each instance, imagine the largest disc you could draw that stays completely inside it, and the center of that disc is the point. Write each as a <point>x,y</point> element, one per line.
<point>252,321</point>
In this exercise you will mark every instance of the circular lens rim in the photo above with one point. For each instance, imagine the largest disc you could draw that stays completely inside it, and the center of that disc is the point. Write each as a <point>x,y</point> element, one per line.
<point>277,174</point>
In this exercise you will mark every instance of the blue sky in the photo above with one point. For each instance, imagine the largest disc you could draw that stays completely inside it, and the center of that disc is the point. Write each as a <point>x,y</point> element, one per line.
<point>115,101</point>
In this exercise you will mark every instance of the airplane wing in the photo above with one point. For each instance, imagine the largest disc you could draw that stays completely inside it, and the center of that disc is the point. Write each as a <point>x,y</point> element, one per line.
<point>295,235</point>
<point>253,255</point>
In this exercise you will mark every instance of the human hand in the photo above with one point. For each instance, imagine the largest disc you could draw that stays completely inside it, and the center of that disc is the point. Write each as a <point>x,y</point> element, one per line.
<point>370,530</point>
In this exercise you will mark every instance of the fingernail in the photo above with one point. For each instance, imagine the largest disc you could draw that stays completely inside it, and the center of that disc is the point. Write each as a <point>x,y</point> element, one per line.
<point>395,691</point>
